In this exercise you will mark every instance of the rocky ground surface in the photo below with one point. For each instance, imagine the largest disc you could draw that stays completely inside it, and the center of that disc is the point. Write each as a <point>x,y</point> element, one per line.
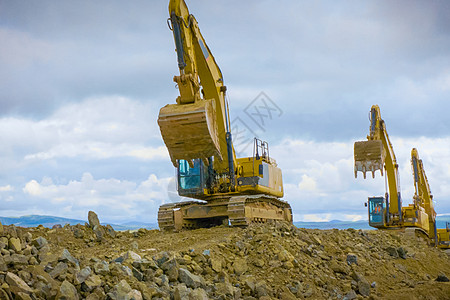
<point>271,261</point>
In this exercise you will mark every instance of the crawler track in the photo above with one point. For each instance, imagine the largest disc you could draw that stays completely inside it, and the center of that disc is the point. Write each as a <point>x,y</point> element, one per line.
<point>236,211</point>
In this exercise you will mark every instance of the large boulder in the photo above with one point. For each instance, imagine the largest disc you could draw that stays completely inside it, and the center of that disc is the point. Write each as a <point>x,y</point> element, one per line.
<point>14,244</point>
<point>60,269</point>
<point>68,258</point>
<point>101,268</point>
<point>40,242</point>
<point>110,231</point>
<point>123,291</point>
<point>171,269</point>
<point>91,283</point>
<point>99,233</point>
<point>198,294</point>
<point>93,219</point>
<point>181,292</point>
<point>240,266</point>
<point>17,284</point>
<point>78,233</point>
<point>364,288</point>
<point>16,259</point>
<point>191,280</point>
<point>82,275</point>
<point>67,292</point>
<point>216,264</point>
<point>129,256</point>
<point>138,274</point>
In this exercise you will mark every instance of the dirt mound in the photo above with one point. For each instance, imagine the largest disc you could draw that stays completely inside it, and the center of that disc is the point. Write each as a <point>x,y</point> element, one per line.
<point>270,261</point>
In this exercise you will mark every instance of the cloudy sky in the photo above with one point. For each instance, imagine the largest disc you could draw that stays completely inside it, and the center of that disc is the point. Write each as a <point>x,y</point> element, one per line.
<point>81,84</point>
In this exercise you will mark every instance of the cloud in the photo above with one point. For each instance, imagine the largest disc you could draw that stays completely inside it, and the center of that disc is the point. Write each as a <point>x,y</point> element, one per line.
<point>6,188</point>
<point>110,137</point>
<point>100,151</point>
<point>344,54</point>
<point>33,188</point>
<point>91,51</point>
<point>100,127</point>
<point>23,49</point>
<point>150,153</point>
<point>307,184</point>
<point>329,217</point>
<point>316,218</point>
<point>112,199</point>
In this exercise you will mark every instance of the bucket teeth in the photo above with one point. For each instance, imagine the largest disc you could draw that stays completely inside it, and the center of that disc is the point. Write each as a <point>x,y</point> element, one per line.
<point>190,130</point>
<point>369,157</point>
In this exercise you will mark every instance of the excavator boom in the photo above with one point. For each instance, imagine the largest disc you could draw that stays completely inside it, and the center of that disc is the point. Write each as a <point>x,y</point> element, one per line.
<point>195,127</point>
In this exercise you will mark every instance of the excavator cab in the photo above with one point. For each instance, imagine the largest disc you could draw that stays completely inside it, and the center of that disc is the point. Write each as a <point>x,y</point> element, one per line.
<point>191,180</point>
<point>376,211</point>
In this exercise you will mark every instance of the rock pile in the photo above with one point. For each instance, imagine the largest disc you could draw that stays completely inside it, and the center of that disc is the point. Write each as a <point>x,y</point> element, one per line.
<point>270,261</point>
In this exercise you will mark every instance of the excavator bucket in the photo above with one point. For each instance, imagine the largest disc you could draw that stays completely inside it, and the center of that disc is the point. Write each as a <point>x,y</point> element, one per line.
<point>190,131</point>
<point>369,156</point>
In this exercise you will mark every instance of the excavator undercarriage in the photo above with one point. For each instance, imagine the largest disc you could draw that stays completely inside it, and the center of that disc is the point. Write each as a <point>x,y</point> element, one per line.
<point>234,211</point>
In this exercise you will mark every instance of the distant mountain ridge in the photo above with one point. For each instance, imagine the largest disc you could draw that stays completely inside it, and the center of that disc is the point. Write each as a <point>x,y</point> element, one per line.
<point>36,220</point>
<point>49,221</point>
<point>361,224</point>
<point>338,224</point>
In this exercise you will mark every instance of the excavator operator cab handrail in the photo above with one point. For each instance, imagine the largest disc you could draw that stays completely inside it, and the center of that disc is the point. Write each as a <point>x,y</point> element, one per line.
<point>260,146</point>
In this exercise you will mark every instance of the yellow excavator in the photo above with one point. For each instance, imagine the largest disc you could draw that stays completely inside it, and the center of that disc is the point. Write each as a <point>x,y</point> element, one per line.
<point>387,212</point>
<point>197,133</point>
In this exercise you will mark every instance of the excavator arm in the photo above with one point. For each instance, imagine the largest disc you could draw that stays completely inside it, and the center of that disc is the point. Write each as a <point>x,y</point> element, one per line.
<point>375,154</point>
<point>197,126</point>
<point>194,59</point>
